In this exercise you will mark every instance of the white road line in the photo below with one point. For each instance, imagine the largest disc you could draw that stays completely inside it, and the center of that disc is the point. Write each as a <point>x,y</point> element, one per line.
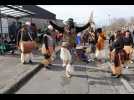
<point>84,66</point>
<point>126,84</point>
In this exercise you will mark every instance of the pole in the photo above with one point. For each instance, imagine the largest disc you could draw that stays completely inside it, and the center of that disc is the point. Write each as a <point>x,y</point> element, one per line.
<point>31,19</point>
<point>109,19</point>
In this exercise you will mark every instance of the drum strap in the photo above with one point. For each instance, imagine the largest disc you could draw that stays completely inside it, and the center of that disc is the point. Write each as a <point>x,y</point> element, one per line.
<point>28,35</point>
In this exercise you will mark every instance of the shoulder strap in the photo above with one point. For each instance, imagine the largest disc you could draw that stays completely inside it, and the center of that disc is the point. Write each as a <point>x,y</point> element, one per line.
<point>30,36</point>
<point>21,33</point>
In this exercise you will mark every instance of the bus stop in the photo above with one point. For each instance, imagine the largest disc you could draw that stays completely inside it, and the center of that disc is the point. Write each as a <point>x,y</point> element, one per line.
<point>10,11</point>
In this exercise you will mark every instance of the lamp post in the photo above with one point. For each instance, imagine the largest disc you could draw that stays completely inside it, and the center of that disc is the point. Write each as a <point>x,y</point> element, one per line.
<point>109,18</point>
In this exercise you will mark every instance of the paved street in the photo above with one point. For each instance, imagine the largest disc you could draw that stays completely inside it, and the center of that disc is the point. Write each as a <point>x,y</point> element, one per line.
<point>51,26</point>
<point>12,71</point>
<point>93,78</point>
<point>84,81</point>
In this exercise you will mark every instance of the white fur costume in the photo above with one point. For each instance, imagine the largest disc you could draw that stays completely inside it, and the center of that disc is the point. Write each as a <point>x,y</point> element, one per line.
<point>66,58</point>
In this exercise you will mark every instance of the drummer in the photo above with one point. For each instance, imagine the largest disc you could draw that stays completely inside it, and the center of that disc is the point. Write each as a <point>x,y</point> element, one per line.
<point>25,36</point>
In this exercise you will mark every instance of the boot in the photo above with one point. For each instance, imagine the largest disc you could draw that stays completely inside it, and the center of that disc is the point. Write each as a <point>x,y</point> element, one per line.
<point>30,61</point>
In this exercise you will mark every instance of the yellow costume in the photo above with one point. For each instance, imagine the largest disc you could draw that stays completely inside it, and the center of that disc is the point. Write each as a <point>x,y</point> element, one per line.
<point>100,43</point>
<point>101,40</point>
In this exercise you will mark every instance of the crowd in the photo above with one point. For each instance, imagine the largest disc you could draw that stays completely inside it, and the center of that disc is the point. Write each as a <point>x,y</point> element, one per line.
<point>84,43</point>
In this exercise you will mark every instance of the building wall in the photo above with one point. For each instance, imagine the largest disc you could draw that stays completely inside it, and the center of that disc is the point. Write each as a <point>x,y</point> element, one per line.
<point>10,20</point>
<point>39,22</point>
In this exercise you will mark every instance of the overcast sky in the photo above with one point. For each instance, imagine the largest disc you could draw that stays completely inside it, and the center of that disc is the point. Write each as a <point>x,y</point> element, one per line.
<point>81,13</point>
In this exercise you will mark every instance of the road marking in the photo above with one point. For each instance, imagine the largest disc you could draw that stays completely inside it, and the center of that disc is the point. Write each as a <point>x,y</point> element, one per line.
<point>125,83</point>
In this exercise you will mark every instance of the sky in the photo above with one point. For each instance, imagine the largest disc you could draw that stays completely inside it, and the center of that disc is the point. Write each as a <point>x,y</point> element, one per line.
<point>102,14</point>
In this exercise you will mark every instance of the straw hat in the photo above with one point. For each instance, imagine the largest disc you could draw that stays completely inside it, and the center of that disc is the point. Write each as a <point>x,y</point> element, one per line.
<point>68,21</point>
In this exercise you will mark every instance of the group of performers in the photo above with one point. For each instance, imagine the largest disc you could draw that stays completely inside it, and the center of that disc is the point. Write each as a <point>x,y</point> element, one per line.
<point>70,48</point>
<point>121,49</point>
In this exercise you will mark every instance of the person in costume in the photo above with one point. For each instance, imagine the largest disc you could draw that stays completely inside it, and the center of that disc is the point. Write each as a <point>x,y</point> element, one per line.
<point>25,43</point>
<point>100,42</point>
<point>70,31</point>
<point>47,48</point>
<point>13,32</point>
<point>119,55</point>
<point>92,40</point>
<point>128,43</point>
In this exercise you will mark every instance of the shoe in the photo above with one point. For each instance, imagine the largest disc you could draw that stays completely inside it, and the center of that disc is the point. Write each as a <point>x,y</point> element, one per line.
<point>68,75</point>
<point>118,76</point>
<point>131,62</point>
<point>113,74</point>
<point>24,63</point>
<point>50,65</point>
<point>126,67</point>
<point>47,67</point>
<point>63,65</point>
<point>93,60</point>
<point>41,65</point>
<point>30,62</point>
<point>90,60</point>
<point>123,66</point>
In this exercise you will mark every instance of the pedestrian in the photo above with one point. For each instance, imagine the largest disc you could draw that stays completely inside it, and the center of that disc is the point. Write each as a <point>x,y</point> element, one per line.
<point>13,32</point>
<point>19,26</point>
<point>47,49</point>
<point>111,41</point>
<point>119,55</point>
<point>26,44</point>
<point>92,43</point>
<point>66,57</point>
<point>33,31</point>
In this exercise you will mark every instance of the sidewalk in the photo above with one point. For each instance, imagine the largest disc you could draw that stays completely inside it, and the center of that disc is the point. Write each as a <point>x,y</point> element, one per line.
<point>12,71</point>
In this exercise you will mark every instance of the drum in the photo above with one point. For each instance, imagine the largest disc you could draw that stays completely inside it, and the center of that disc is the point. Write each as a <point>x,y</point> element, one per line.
<point>27,46</point>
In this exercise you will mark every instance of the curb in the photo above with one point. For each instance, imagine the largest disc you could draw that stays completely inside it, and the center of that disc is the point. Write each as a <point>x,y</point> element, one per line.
<point>18,82</point>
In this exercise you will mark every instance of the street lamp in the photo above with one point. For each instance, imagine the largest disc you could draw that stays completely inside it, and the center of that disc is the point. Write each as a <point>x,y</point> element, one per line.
<point>109,19</point>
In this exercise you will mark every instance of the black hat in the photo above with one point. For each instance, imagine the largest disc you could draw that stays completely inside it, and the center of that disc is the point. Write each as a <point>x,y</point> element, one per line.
<point>99,30</point>
<point>70,20</point>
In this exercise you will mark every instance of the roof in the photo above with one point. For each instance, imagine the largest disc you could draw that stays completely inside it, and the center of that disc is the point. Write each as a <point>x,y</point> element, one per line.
<point>39,12</point>
<point>14,11</point>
